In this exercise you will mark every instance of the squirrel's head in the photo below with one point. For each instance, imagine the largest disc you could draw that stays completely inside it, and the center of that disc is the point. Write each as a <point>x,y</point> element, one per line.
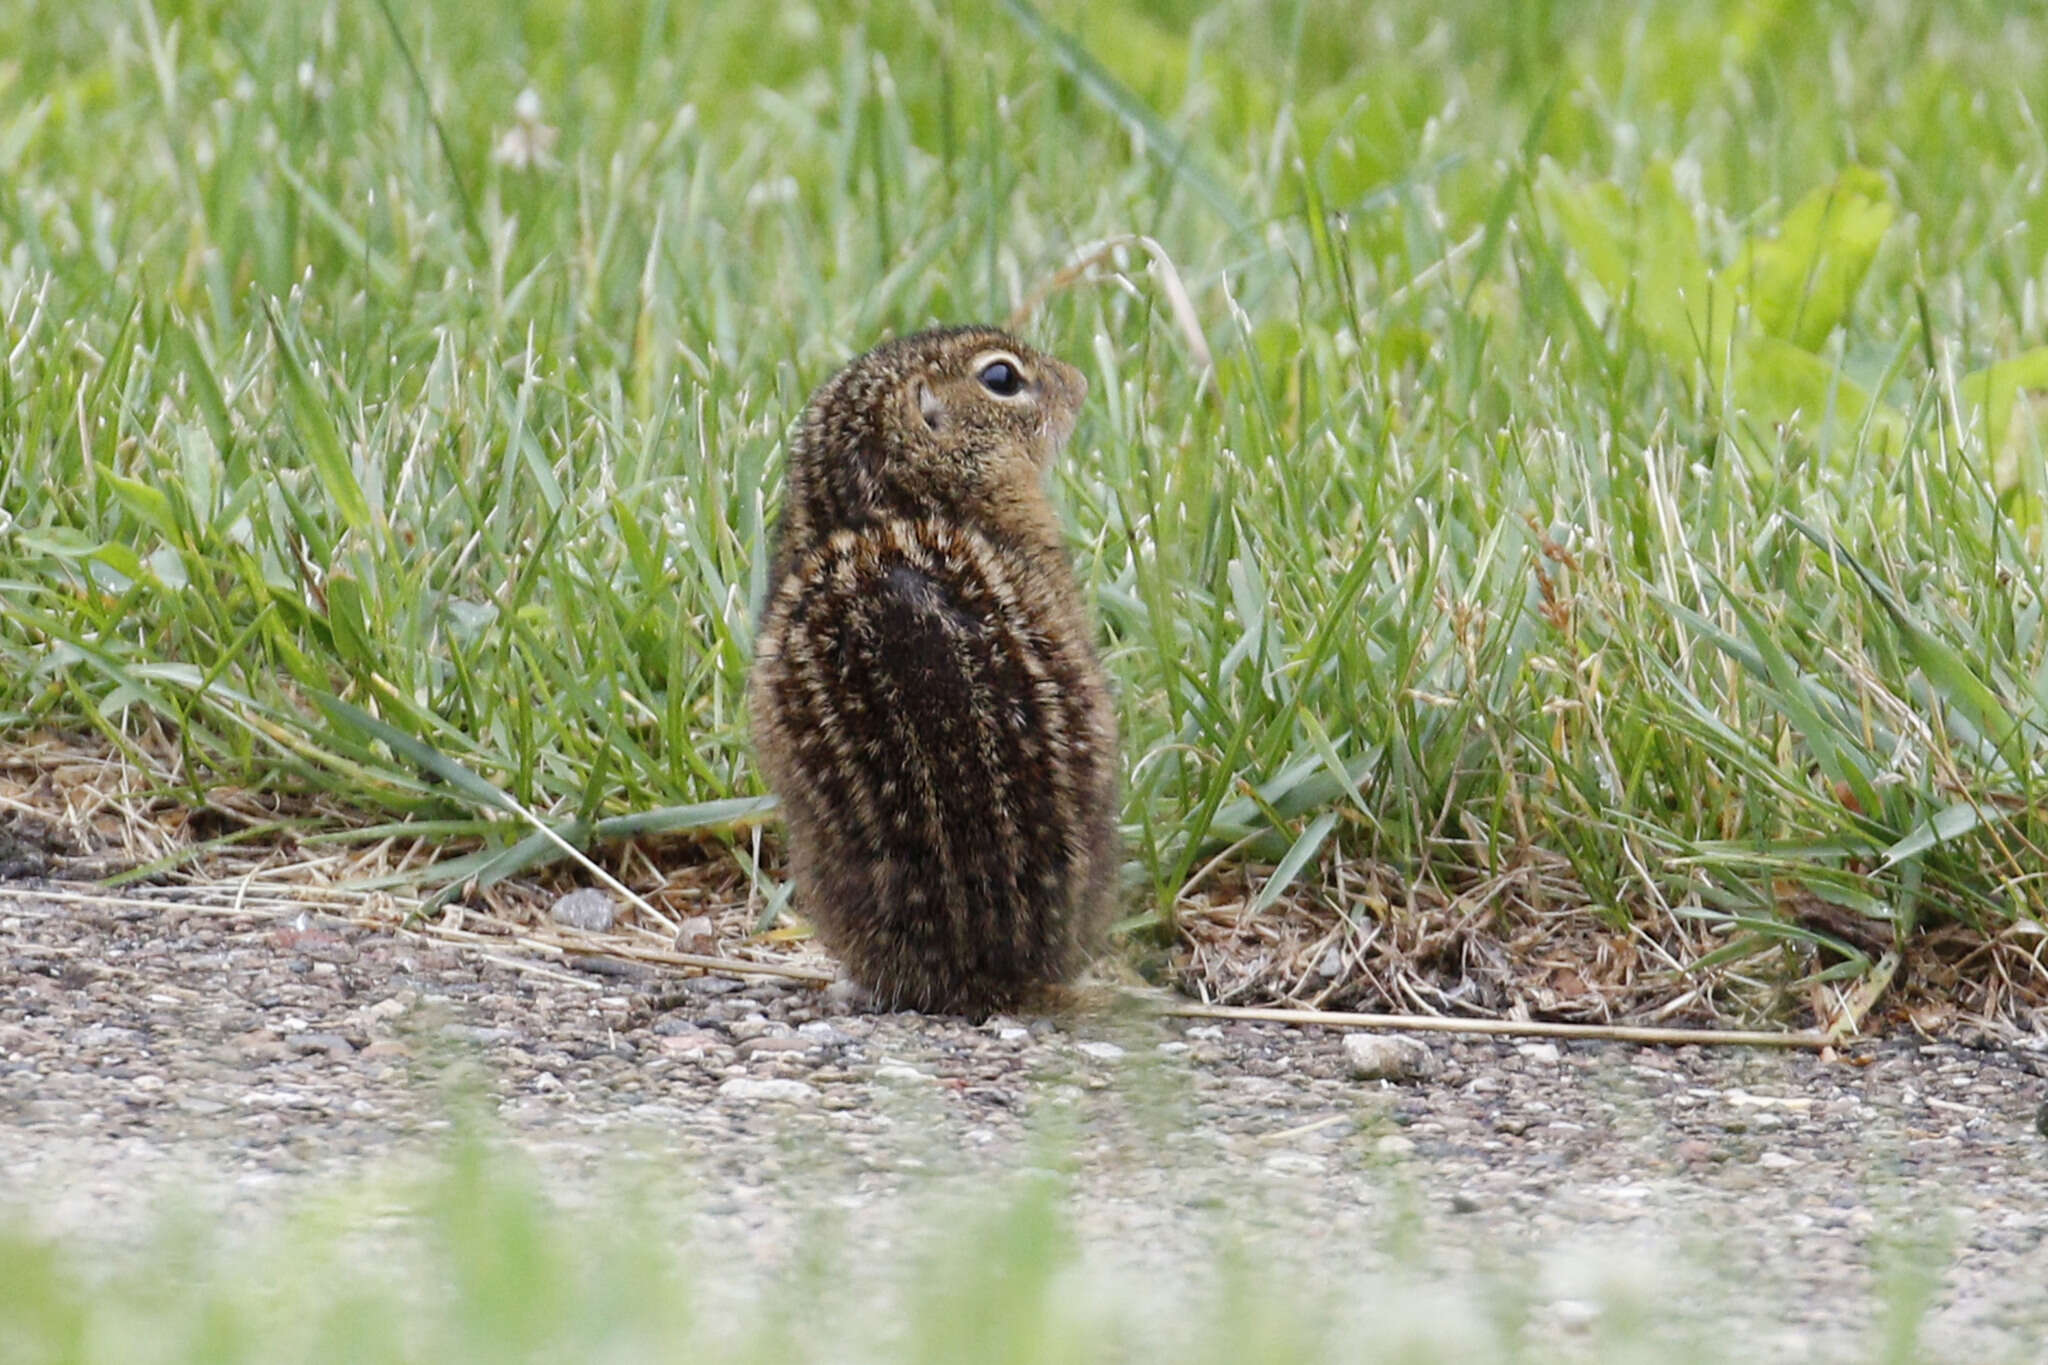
<point>960,421</point>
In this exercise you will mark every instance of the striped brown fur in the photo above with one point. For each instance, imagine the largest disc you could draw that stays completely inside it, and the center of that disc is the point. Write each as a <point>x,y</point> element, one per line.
<point>926,698</point>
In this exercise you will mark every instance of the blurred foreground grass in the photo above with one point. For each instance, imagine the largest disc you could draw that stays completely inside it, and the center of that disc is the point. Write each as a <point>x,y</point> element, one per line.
<point>473,1263</point>
<point>1597,436</point>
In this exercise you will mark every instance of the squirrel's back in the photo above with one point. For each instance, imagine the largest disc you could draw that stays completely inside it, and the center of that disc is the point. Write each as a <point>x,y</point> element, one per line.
<point>926,699</point>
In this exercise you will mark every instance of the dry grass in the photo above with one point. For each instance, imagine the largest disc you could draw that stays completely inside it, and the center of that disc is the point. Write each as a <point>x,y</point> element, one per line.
<point>1357,937</point>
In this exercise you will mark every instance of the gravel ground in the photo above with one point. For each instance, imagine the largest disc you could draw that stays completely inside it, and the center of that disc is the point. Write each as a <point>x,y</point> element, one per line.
<point>237,1062</point>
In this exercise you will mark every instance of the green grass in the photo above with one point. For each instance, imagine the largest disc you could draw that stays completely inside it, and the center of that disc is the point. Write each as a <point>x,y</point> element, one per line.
<point>1616,449</point>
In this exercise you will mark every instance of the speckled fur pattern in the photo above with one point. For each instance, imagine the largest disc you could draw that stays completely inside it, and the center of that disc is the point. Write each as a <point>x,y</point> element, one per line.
<point>926,698</point>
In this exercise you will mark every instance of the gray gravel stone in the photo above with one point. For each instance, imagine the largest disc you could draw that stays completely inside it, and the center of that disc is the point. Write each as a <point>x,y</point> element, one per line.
<point>1387,1057</point>
<point>587,908</point>
<point>331,1044</point>
<point>784,1090</point>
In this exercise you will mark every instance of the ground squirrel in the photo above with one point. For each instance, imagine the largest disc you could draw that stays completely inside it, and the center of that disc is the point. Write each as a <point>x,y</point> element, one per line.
<point>926,697</point>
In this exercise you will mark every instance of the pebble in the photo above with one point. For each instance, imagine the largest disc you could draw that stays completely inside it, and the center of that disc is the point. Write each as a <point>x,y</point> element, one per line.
<point>824,1033</point>
<point>780,1089</point>
<point>898,1073</point>
<point>589,909</point>
<point>1101,1052</point>
<point>481,1034</point>
<point>1387,1057</point>
<point>2041,1121</point>
<point>1294,1163</point>
<point>1543,1054</point>
<point>333,1044</point>
<point>787,1043</point>
<point>1393,1144</point>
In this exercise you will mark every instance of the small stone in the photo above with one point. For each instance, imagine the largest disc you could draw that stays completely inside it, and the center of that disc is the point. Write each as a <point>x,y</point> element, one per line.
<point>1101,1052</point>
<point>333,1044</point>
<point>1576,1315</point>
<point>1015,1033</point>
<point>1387,1057</point>
<point>1393,1144</point>
<point>1777,1161</point>
<point>1462,1202</point>
<point>390,1007</point>
<point>1205,1033</point>
<point>696,935</point>
<point>756,1046</point>
<point>898,1073</point>
<point>480,1034</point>
<point>2041,1121</point>
<point>588,909</point>
<point>824,1033</point>
<point>1294,1163</point>
<point>781,1090</point>
<point>257,1048</point>
<point>1543,1054</point>
<point>386,1047</point>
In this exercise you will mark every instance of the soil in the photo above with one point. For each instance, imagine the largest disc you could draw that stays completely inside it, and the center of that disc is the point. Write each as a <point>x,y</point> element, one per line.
<point>239,1060</point>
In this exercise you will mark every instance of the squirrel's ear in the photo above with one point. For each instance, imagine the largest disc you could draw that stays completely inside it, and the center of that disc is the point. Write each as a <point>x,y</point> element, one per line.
<point>929,405</point>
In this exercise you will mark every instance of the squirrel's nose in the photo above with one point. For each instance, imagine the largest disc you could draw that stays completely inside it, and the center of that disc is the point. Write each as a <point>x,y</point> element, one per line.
<point>1075,381</point>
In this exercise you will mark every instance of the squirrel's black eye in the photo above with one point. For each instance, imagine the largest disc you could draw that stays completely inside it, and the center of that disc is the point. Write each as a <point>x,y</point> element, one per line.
<point>1001,378</point>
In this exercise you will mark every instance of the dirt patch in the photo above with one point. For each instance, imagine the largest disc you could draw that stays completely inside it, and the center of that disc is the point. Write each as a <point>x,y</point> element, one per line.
<point>239,1057</point>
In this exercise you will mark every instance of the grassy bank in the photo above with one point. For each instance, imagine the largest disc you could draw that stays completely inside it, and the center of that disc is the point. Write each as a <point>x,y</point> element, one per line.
<point>1590,446</point>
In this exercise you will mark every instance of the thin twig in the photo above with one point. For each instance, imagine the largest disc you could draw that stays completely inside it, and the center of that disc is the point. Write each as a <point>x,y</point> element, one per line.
<point>539,969</point>
<point>703,962</point>
<point>1506,1028</point>
<point>193,900</point>
<point>1866,994</point>
<point>817,976</point>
